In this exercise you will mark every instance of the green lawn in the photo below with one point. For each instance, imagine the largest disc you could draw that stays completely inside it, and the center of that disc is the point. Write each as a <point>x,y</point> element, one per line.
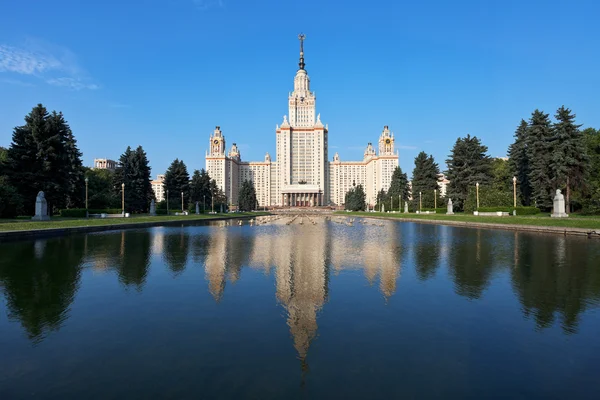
<point>21,224</point>
<point>592,222</point>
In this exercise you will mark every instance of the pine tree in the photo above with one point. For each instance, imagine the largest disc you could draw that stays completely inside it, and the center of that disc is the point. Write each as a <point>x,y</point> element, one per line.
<point>570,162</point>
<point>399,188</point>
<point>200,188</point>
<point>43,156</point>
<point>355,199</point>
<point>467,165</point>
<point>425,178</point>
<point>539,153</point>
<point>247,196</point>
<point>133,171</point>
<point>177,180</point>
<point>520,163</point>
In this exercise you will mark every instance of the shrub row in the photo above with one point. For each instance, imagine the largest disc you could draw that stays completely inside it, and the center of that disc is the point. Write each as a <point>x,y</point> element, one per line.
<point>520,210</point>
<point>80,212</point>
<point>439,210</point>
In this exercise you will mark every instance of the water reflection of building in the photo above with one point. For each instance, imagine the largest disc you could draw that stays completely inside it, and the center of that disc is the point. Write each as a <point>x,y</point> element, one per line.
<point>301,256</point>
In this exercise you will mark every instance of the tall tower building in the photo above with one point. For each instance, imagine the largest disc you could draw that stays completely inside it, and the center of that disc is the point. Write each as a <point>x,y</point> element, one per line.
<point>301,175</point>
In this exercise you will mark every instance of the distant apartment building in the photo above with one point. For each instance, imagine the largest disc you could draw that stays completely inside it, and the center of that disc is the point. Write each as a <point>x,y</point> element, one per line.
<point>158,186</point>
<point>105,163</point>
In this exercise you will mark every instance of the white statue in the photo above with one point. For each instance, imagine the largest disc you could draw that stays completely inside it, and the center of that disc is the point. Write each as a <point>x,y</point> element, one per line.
<point>558,210</point>
<point>406,207</point>
<point>197,208</point>
<point>41,208</point>
<point>450,210</point>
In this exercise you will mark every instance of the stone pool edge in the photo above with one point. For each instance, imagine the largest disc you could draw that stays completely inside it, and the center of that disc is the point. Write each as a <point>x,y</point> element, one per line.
<point>590,233</point>
<point>49,232</point>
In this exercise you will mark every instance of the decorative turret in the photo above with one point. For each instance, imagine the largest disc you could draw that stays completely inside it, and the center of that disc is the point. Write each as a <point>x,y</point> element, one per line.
<point>267,158</point>
<point>369,151</point>
<point>336,157</point>
<point>235,153</point>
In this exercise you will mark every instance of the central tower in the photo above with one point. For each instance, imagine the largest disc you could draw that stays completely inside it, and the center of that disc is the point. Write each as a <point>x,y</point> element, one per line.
<point>301,145</point>
<point>302,100</point>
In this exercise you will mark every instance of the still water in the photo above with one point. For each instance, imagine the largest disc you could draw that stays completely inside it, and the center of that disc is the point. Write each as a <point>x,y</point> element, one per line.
<point>325,310</point>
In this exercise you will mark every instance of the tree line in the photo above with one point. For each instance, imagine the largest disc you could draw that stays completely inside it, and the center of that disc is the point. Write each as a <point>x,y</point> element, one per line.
<point>43,156</point>
<point>545,156</point>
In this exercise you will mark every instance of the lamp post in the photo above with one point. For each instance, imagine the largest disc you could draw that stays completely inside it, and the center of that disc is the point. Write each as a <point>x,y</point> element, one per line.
<point>514,191</point>
<point>123,198</point>
<point>213,203</point>
<point>167,201</point>
<point>181,201</point>
<point>87,213</point>
<point>399,203</point>
<point>477,186</point>
<point>434,198</point>
<point>420,201</point>
<point>204,205</point>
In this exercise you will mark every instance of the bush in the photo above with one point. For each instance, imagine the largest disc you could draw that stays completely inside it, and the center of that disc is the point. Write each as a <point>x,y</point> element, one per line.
<point>439,210</point>
<point>520,210</point>
<point>10,201</point>
<point>489,197</point>
<point>80,212</point>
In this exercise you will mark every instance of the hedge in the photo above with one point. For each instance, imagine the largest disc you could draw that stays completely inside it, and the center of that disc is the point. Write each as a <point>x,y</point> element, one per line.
<point>520,210</point>
<point>439,210</point>
<point>80,212</point>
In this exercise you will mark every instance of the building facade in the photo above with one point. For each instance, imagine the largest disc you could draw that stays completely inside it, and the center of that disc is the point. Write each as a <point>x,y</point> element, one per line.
<point>302,174</point>
<point>105,163</point>
<point>158,186</point>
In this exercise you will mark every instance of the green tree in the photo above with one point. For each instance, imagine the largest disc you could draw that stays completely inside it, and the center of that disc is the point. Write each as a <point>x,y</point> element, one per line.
<point>101,193</point>
<point>540,155</point>
<point>247,196</point>
<point>217,200</point>
<point>520,164</point>
<point>133,170</point>
<point>10,201</point>
<point>200,188</point>
<point>570,162</point>
<point>501,175</point>
<point>399,188</point>
<point>177,180</point>
<point>355,199</point>
<point>589,197</point>
<point>43,156</point>
<point>425,174</point>
<point>468,164</point>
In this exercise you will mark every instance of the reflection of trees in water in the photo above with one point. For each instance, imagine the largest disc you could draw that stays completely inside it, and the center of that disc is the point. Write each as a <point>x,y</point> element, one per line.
<point>427,251</point>
<point>133,257</point>
<point>555,275</point>
<point>40,279</point>
<point>470,262</point>
<point>176,246</point>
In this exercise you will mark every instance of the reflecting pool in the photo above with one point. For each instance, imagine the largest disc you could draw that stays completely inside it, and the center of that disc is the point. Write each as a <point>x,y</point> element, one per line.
<point>310,308</point>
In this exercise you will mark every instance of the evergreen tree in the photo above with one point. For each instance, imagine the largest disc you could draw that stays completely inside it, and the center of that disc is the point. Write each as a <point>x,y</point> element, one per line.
<point>540,156</point>
<point>101,189</point>
<point>247,196</point>
<point>355,199</point>
<point>399,188</point>
<point>501,175</point>
<point>200,188</point>
<point>425,179</point>
<point>133,171</point>
<point>570,162</point>
<point>467,165</point>
<point>590,198</point>
<point>520,163</point>
<point>43,156</point>
<point>177,180</point>
<point>217,200</point>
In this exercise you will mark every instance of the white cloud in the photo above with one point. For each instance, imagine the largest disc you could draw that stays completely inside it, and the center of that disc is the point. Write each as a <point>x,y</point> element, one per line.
<point>53,64</point>
<point>72,83</point>
<point>204,5</point>
<point>17,82</point>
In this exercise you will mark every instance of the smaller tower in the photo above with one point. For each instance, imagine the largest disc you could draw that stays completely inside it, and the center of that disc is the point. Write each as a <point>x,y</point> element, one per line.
<point>234,153</point>
<point>369,152</point>
<point>386,142</point>
<point>217,143</point>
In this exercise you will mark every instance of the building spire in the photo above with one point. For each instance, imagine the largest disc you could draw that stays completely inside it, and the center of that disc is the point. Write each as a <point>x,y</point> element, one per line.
<point>301,37</point>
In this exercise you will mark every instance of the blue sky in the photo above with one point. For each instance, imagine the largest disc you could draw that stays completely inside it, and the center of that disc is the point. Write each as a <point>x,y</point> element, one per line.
<point>163,73</point>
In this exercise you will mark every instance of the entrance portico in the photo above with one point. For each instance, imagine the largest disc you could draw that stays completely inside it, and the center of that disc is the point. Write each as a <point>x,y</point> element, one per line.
<point>302,196</point>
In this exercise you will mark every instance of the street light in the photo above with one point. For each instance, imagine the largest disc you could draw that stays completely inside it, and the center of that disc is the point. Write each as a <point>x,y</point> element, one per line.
<point>213,204</point>
<point>477,186</point>
<point>420,201</point>
<point>434,198</point>
<point>123,198</point>
<point>204,205</point>
<point>87,213</point>
<point>514,191</point>
<point>167,201</point>
<point>181,201</point>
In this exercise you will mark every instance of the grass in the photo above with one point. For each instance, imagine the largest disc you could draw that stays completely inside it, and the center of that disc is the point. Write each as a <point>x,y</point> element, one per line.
<point>586,222</point>
<point>22,225</point>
